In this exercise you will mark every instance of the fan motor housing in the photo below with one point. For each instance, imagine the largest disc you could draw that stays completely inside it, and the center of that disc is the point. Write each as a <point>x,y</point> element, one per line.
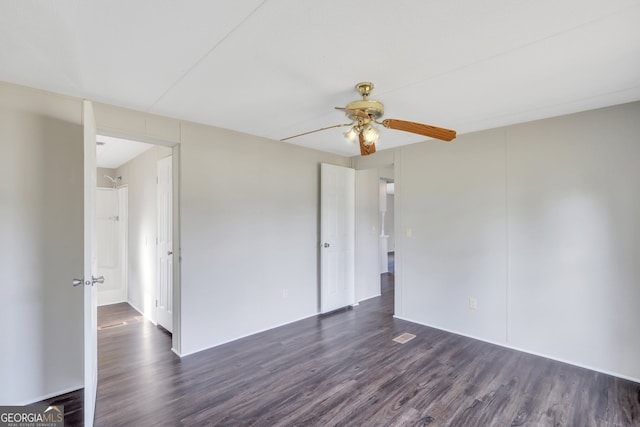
<point>372,108</point>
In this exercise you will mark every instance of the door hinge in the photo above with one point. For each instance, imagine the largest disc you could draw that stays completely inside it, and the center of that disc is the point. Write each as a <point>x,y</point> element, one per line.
<point>156,303</point>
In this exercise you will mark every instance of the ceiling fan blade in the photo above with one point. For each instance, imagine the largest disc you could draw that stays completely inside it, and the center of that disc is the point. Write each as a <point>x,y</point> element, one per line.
<point>420,129</point>
<point>354,112</point>
<point>317,130</point>
<point>365,150</point>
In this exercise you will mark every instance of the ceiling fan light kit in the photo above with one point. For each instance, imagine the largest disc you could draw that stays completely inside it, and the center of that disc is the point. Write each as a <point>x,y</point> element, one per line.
<point>370,134</point>
<point>365,113</point>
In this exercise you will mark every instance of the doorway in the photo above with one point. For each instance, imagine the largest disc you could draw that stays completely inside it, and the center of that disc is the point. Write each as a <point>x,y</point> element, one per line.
<point>387,231</point>
<point>375,232</point>
<point>131,168</point>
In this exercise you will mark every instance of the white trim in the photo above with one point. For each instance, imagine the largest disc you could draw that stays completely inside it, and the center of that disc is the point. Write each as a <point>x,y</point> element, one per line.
<point>80,386</point>
<point>110,300</point>
<point>368,298</point>
<point>245,336</point>
<point>510,347</point>
<point>141,312</point>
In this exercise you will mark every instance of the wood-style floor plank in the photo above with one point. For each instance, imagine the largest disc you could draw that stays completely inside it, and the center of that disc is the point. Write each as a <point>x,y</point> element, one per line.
<point>73,403</point>
<point>344,369</point>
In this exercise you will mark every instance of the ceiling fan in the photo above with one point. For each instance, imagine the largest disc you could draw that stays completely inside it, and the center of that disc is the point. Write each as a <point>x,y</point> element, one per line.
<point>365,113</point>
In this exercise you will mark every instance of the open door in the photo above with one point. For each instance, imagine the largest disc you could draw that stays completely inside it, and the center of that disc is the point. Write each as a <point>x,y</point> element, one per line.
<point>337,229</point>
<point>164,301</point>
<point>90,267</point>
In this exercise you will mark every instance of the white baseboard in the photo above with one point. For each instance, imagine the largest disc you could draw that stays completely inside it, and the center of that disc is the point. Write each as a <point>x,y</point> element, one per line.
<point>243,336</point>
<point>510,347</point>
<point>141,312</point>
<point>110,301</point>
<point>370,297</point>
<point>50,395</point>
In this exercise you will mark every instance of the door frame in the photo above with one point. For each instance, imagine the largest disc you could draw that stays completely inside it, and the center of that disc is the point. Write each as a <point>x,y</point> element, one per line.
<point>382,160</point>
<point>90,265</point>
<point>176,340</point>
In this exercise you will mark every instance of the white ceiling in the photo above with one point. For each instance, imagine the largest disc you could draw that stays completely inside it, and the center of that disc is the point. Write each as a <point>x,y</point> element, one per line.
<point>275,68</point>
<point>114,152</point>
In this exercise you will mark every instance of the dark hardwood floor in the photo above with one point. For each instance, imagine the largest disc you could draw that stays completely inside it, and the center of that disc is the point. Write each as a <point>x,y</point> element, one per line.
<point>344,369</point>
<point>73,403</point>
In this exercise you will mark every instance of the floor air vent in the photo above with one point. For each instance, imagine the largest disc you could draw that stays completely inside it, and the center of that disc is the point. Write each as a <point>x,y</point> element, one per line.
<point>113,325</point>
<point>404,338</point>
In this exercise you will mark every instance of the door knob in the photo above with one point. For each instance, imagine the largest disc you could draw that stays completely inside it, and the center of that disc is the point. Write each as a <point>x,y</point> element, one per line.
<point>326,245</point>
<point>94,280</point>
<point>169,253</point>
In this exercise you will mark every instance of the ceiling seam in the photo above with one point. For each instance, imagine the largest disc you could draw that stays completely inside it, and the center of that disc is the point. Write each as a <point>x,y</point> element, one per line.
<point>203,57</point>
<point>508,51</point>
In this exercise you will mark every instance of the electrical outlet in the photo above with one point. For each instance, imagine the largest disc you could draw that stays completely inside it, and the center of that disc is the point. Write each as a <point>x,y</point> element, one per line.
<point>473,303</point>
<point>285,293</point>
<point>409,233</point>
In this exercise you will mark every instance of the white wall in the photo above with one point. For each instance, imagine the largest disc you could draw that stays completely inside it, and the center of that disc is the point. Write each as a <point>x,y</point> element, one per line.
<point>539,222</point>
<point>101,181</point>
<point>573,235</point>
<point>250,227</point>
<point>41,252</point>
<point>250,231</point>
<point>453,206</point>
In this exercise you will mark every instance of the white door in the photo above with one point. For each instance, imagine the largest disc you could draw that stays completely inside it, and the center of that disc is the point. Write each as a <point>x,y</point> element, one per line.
<point>164,301</point>
<point>90,267</point>
<point>337,244</point>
